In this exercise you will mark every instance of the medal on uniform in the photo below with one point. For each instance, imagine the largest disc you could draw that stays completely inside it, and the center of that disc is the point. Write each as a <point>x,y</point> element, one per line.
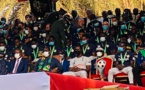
<point>85,49</point>
<point>128,56</point>
<point>52,50</point>
<point>23,51</point>
<point>35,53</point>
<point>72,50</point>
<point>68,51</point>
<point>123,58</point>
<point>88,48</point>
<point>107,45</point>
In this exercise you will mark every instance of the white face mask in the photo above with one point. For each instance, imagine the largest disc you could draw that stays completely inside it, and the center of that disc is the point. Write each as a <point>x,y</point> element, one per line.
<point>26,32</point>
<point>46,54</point>
<point>129,40</point>
<point>114,23</point>
<point>99,54</point>
<point>35,28</point>
<point>2,48</point>
<point>43,34</point>
<point>102,39</point>
<point>62,56</point>
<point>17,55</point>
<point>33,46</point>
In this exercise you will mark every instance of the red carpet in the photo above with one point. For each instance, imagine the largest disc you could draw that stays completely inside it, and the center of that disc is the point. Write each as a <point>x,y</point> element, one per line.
<point>61,82</point>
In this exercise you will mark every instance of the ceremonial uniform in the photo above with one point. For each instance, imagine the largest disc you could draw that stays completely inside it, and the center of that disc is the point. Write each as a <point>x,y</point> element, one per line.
<point>125,60</point>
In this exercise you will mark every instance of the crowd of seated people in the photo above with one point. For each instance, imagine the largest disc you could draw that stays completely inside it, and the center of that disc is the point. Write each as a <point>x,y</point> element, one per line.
<point>70,45</point>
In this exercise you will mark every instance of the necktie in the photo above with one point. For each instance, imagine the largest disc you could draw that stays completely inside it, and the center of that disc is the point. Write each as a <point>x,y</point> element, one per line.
<point>16,67</point>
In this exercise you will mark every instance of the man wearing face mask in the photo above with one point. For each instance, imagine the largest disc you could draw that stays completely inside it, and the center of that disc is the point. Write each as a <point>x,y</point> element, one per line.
<point>28,36</point>
<point>44,37</point>
<point>19,64</point>
<point>80,25</point>
<point>69,49</point>
<point>105,27</point>
<point>47,63</point>
<point>123,63</point>
<point>126,23</point>
<point>94,23</point>
<point>115,23</point>
<point>99,54</point>
<point>35,49</point>
<point>4,59</point>
<point>131,42</point>
<point>80,65</point>
<point>105,44</point>
<point>88,49</point>
<point>36,30</point>
<point>52,46</point>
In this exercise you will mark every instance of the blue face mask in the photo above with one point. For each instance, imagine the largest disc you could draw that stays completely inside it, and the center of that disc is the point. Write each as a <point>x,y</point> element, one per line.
<point>1,26</point>
<point>84,42</point>
<point>143,18</point>
<point>3,22</point>
<point>105,27</point>
<point>120,49</point>
<point>51,43</point>
<point>4,32</point>
<point>78,29</point>
<point>96,24</point>
<point>123,27</point>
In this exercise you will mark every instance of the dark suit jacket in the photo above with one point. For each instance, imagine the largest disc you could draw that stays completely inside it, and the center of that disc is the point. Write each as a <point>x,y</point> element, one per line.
<point>65,65</point>
<point>22,68</point>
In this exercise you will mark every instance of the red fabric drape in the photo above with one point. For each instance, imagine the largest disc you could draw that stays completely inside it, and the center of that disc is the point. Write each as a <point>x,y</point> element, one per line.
<point>21,0</point>
<point>61,82</point>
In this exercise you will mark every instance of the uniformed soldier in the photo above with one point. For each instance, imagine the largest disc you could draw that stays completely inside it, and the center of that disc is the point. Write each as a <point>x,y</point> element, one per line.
<point>123,63</point>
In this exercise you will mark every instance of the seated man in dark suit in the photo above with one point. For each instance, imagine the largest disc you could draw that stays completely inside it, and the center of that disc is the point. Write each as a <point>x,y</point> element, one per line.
<point>19,64</point>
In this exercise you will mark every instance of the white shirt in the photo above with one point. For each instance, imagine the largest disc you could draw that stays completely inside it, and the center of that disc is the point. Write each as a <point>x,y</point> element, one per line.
<point>16,64</point>
<point>80,62</point>
<point>88,21</point>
